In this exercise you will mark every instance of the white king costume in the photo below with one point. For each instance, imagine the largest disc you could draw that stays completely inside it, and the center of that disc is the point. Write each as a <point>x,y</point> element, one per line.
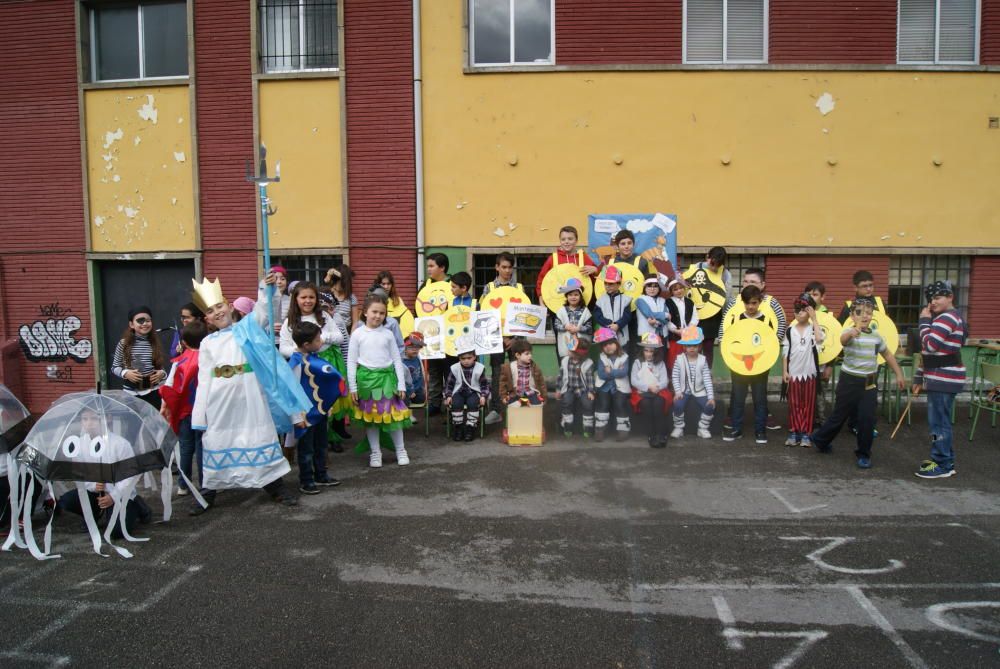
<point>244,398</point>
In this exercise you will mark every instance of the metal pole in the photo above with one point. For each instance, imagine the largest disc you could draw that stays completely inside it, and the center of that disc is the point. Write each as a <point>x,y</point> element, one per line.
<point>266,210</point>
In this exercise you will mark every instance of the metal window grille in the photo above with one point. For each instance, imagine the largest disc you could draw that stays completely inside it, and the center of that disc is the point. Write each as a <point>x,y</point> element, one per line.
<point>736,263</point>
<point>908,275</point>
<point>308,268</point>
<point>297,35</point>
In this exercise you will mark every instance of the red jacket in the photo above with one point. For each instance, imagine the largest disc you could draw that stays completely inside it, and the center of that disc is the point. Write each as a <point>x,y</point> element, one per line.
<point>179,395</point>
<point>562,258</point>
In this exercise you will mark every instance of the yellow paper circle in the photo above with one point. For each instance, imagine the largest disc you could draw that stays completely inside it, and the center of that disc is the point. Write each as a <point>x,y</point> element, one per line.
<point>499,298</point>
<point>770,318</point>
<point>708,290</point>
<point>433,299</point>
<point>830,347</point>
<point>404,316</point>
<point>749,347</point>
<point>457,323</point>
<point>882,324</point>
<point>631,284</point>
<point>559,275</point>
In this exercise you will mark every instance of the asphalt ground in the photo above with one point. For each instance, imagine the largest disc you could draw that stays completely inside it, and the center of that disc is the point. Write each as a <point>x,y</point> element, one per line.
<point>573,554</point>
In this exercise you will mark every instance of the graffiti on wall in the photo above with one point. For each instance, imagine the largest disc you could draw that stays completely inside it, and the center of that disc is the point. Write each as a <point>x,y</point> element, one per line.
<point>51,337</point>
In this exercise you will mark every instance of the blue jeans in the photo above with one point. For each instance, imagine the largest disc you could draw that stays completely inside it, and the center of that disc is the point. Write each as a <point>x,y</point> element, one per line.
<point>939,418</point>
<point>757,387</point>
<point>190,447</point>
<point>311,448</point>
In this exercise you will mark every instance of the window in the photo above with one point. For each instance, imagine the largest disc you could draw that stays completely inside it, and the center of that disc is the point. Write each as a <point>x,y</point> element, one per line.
<point>526,269</point>
<point>297,35</point>
<point>908,275</point>
<point>143,40</point>
<point>736,264</point>
<point>512,32</point>
<point>938,31</point>
<point>725,31</point>
<point>309,268</point>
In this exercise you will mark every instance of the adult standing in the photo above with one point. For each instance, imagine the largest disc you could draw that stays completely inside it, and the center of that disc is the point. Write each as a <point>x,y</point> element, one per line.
<point>139,358</point>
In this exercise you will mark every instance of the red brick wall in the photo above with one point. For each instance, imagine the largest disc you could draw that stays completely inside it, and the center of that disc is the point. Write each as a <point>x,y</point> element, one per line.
<point>623,32</point>
<point>984,305</point>
<point>832,31</point>
<point>42,192</point>
<point>989,41</point>
<point>224,104</point>
<point>381,186</point>
<point>787,275</point>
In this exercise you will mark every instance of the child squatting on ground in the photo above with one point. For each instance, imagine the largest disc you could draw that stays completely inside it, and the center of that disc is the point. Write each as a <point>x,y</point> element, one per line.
<point>692,381</point>
<point>575,389</point>
<point>466,391</point>
<point>613,389</point>
<point>857,388</point>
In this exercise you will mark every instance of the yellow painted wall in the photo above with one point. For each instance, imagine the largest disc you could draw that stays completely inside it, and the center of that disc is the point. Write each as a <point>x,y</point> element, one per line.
<point>671,131</point>
<point>300,125</point>
<point>139,167</point>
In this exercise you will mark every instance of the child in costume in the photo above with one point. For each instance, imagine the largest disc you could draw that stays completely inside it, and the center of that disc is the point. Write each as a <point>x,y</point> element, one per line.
<point>624,243</point>
<point>466,390</point>
<point>189,313</point>
<point>139,358</point>
<point>714,265</point>
<point>565,254</point>
<point>857,388</point>
<point>323,385</point>
<point>573,320</point>
<point>281,301</point>
<point>461,285</point>
<point>377,381</point>
<point>817,291</point>
<point>521,379</point>
<point>941,374</point>
<point>800,370</point>
<point>864,287</point>
<point>505,277</point>
<point>178,393</point>
<point>304,307</point>
<point>613,309</point>
<point>681,315</point>
<point>754,384</point>
<point>575,389</point>
<point>652,308</point>
<point>650,389</point>
<point>613,389</point>
<point>437,270</point>
<point>416,392</point>
<point>692,381</point>
<point>245,397</point>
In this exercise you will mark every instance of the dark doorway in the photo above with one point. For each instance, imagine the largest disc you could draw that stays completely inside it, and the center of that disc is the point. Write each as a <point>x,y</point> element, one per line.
<point>162,285</point>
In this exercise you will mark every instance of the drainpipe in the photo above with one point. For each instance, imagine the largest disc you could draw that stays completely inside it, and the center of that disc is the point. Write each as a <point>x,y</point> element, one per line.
<point>418,138</point>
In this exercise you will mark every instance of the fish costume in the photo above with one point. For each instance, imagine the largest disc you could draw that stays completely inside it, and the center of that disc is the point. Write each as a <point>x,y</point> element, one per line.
<point>321,383</point>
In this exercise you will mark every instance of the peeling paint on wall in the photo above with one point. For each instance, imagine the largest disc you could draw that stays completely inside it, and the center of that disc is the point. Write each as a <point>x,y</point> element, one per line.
<point>148,112</point>
<point>825,104</point>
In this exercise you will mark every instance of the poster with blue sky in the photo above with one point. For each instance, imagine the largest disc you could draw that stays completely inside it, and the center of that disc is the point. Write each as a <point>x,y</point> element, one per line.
<point>655,235</point>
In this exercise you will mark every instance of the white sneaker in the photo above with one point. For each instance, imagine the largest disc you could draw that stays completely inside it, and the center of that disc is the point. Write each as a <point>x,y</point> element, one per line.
<point>375,460</point>
<point>704,433</point>
<point>493,417</point>
<point>182,491</point>
<point>677,433</point>
<point>402,458</point>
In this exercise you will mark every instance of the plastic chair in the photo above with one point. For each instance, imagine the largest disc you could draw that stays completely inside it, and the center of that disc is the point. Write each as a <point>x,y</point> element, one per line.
<point>980,400</point>
<point>892,397</point>
<point>482,424</point>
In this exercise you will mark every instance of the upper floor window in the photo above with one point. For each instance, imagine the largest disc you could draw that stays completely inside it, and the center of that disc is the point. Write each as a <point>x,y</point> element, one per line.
<point>297,35</point>
<point>512,32</point>
<point>725,31</point>
<point>137,40</point>
<point>938,31</point>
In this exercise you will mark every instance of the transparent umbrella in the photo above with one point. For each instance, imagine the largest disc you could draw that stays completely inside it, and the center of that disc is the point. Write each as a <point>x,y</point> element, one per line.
<point>14,421</point>
<point>110,438</point>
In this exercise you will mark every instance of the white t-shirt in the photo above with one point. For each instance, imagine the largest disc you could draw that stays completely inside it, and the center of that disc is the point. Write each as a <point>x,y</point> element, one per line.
<point>798,348</point>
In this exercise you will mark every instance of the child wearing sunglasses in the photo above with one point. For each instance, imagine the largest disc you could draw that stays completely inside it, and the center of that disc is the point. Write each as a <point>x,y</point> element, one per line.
<point>139,358</point>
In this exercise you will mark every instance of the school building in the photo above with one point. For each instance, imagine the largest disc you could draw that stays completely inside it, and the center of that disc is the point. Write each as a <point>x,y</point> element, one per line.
<point>811,137</point>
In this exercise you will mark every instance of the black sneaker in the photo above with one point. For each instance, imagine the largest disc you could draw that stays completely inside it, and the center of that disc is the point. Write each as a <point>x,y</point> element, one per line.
<point>305,489</point>
<point>771,423</point>
<point>340,430</point>
<point>327,482</point>
<point>336,447</point>
<point>732,435</point>
<point>760,438</point>
<point>286,499</point>
<point>198,509</point>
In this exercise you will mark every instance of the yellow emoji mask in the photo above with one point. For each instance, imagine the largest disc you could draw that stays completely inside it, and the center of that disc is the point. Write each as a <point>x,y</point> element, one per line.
<point>559,275</point>
<point>631,283</point>
<point>750,347</point>
<point>433,299</point>
<point>830,347</point>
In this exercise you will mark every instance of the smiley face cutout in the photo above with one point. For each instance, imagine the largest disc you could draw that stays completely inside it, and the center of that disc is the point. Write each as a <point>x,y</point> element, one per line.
<point>750,347</point>
<point>558,276</point>
<point>831,328</point>
<point>433,299</point>
<point>631,284</point>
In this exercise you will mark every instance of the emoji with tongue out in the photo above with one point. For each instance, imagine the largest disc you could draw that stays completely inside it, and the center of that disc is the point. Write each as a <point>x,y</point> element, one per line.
<point>750,347</point>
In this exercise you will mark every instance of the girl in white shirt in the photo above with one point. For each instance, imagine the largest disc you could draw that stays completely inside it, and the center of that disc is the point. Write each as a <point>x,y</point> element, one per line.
<point>377,381</point>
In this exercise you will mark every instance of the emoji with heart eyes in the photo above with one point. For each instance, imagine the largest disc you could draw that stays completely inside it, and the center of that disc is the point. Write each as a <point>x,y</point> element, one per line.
<point>750,347</point>
<point>499,298</point>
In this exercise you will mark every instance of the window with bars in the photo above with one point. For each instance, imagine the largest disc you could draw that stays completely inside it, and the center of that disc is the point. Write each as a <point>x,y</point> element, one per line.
<point>725,31</point>
<point>736,263</point>
<point>526,269</point>
<point>512,32</point>
<point>297,35</point>
<point>136,40</point>
<point>908,275</point>
<point>938,31</point>
<point>308,268</point>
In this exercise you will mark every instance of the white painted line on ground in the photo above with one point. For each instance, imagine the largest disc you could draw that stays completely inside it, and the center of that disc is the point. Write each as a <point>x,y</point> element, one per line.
<point>65,619</point>
<point>166,589</point>
<point>41,658</point>
<point>883,624</point>
<point>734,637</point>
<point>788,504</point>
<point>816,557</point>
<point>935,613</point>
<point>750,587</point>
<point>723,611</point>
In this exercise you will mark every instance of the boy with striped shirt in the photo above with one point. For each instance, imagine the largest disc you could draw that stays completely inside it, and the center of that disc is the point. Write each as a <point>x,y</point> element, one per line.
<point>941,374</point>
<point>857,389</point>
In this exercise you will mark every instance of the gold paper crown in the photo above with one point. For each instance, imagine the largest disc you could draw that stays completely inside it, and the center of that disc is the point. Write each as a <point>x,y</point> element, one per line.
<point>207,293</point>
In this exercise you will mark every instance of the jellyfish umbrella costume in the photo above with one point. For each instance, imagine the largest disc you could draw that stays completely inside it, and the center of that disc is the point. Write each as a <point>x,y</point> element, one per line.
<point>15,421</point>
<point>111,438</point>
